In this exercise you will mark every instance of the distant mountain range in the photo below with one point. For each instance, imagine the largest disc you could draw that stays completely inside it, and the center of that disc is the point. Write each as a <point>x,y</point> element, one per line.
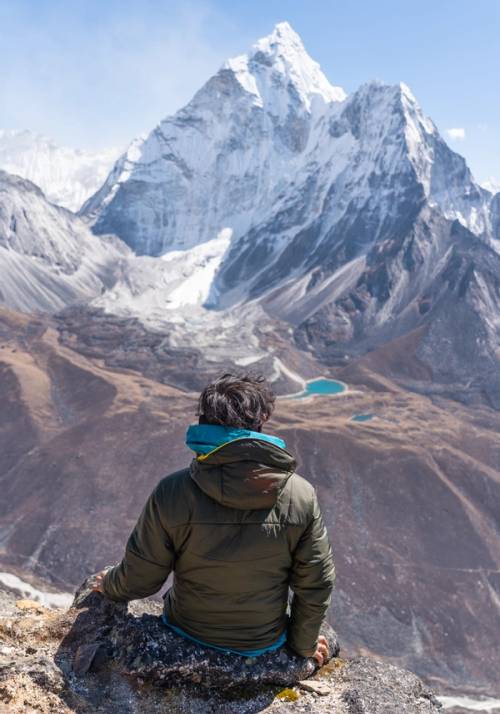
<point>67,176</point>
<point>275,194</point>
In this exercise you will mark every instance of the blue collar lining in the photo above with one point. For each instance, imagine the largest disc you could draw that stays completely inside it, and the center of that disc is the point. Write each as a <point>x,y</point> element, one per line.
<point>203,438</point>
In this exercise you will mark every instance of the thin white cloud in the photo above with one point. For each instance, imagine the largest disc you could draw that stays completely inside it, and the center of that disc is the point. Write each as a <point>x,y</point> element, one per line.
<point>97,83</point>
<point>457,134</point>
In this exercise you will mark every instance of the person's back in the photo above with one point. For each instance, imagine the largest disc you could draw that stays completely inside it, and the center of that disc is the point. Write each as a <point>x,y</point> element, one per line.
<point>237,528</point>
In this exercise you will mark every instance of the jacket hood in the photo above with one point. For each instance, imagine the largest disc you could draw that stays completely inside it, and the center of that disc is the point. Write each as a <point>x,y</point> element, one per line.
<point>246,473</point>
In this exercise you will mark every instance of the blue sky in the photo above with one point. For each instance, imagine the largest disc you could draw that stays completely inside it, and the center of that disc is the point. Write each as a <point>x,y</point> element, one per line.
<point>95,73</point>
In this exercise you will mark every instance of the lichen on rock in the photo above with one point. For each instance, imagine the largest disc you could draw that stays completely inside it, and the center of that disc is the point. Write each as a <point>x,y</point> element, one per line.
<point>105,657</point>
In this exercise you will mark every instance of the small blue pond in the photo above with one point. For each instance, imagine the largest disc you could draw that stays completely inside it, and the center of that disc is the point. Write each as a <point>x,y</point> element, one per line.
<point>321,386</point>
<point>362,417</point>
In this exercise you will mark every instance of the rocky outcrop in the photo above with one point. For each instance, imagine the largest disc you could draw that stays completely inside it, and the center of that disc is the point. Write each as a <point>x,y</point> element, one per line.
<point>142,646</point>
<point>104,657</point>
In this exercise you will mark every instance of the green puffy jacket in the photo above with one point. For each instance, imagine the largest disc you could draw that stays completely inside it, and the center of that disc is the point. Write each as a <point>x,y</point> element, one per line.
<point>238,528</point>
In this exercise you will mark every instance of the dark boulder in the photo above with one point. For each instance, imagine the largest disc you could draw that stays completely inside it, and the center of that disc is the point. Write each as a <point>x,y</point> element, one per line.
<point>102,658</point>
<point>145,648</point>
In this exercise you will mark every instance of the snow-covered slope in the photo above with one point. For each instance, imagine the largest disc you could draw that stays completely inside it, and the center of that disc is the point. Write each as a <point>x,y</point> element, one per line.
<point>376,162</point>
<point>66,176</point>
<point>164,289</point>
<point>48,257</point>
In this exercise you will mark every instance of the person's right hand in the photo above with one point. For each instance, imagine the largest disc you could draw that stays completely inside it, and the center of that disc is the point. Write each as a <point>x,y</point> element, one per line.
<point>98,584</point>
<point>322,651</point>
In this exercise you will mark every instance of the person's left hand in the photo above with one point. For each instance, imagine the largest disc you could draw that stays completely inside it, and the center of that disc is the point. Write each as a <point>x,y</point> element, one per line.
<point>322,650</point>
<point>98,585</point>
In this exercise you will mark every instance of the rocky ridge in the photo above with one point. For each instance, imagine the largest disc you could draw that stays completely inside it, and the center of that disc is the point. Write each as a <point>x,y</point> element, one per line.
<point>48,257</point>
<point>97,657</point>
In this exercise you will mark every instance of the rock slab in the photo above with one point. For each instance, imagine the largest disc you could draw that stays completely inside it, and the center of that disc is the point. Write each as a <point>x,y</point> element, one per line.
<point>102,658</point>
<point>145,648</point>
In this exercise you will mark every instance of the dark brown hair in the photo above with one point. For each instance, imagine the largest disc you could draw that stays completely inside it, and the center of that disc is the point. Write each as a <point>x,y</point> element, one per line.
<point>240,400</point>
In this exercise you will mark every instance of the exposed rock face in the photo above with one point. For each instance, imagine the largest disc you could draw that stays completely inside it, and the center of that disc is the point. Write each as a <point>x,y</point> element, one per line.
<point>433,278</point>
<point>96,657</point>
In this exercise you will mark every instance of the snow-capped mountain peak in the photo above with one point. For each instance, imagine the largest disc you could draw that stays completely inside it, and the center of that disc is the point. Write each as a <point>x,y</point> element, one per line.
<point>245,132</point>
<point>392,127</point>
<point>281,55</point>
<point>297,170</point>
<point>67,176</point>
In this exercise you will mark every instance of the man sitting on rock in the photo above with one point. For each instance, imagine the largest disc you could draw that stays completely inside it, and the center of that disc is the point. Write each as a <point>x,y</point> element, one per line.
<point>237,529</point>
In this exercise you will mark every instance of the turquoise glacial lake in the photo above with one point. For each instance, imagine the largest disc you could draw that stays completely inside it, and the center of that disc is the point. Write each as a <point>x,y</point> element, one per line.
<point>321,386</point>
<point>329,386</point>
